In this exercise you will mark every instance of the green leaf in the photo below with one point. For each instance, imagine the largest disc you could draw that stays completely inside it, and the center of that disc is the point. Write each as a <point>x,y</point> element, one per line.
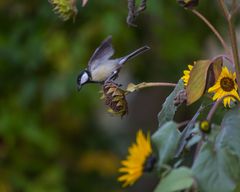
<point>193,141</point>
<point>168,109</point>
<point>217,167</point>
<point>186,132</point>
<point>230,134</point>
<point>166,141</point>
<point>177,179</point>
<point>237,189</point>
<point>197,135</point>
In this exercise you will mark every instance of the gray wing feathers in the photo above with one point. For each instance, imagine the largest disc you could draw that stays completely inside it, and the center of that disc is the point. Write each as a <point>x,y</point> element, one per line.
<point>102,53</point>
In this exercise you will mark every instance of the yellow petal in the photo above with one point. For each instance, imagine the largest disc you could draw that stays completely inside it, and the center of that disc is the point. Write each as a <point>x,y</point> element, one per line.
<point>134,164</point>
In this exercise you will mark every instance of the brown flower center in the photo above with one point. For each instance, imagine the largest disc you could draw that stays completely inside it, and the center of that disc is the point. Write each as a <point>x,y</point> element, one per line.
<point>149,163</point>
<point>227,84</point>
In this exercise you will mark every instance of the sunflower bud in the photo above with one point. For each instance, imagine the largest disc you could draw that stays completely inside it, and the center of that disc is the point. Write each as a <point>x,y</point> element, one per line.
<point>65,8</point>
<point>115,99</point>
<point>205,126</point>
<point>188,4</point>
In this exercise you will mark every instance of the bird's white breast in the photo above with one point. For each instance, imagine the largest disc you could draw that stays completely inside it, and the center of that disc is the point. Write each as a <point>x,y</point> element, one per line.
<point>102,72</point>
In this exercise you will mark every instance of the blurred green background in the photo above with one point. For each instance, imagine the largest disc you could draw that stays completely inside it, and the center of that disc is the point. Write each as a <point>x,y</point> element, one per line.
<point>53,138</point>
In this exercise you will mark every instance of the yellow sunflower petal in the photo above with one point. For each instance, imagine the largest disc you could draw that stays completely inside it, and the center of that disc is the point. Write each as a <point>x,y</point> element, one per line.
<point>190,67</point>
<point>133,166</point>
<point>225,102</point>
<point>225,85</point>
<point>214,88</point>
<point>186,75</point>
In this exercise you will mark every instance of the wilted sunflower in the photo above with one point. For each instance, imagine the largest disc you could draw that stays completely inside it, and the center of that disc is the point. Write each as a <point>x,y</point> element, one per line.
<point>115,99</point>
<point>225,85</point>
<point>186,75</point>
<point>139,160</point>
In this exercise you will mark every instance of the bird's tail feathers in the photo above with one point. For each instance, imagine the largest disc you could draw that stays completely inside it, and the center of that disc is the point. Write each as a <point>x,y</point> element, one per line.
<point>134,54</point>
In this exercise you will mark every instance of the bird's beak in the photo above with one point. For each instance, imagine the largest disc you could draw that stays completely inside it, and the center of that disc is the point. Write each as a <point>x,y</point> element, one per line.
<point>79,87</point>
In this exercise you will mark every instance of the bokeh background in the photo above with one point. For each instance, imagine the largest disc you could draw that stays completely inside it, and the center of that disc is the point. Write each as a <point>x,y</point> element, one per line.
<point>55,139</point>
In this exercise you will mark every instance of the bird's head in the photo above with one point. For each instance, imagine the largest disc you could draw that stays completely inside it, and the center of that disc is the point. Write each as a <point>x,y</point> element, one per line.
<point>83,78</point>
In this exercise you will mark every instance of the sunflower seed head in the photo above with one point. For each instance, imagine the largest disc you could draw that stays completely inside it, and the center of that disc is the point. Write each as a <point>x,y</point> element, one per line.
<point>115,99</point>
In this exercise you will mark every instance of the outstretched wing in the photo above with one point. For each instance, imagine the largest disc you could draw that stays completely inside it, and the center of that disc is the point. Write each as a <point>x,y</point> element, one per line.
<point>102,53</point>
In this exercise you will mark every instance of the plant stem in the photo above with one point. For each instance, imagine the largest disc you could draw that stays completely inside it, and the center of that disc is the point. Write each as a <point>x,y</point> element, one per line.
<point>199,145</point>
<point>155,84</point>
<point>214,30</point>
<point>143,85</point>
<point>224,9</point>
<point>234,4</point>
<point>213,109</point>
<point>233,38</point>
<point>223,57</point>
<point>209,118</point>
<point>216,104</point>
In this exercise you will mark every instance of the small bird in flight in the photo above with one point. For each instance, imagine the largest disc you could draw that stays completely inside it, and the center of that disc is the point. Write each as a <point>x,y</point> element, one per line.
<point>101,68</point>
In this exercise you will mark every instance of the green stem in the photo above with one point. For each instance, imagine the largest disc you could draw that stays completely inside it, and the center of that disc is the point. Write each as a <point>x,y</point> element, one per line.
<point>234,4</point>
<point>213,109</point>
<point>224,9</point>
<point>235,51</point>
<point>233,38</point>
<point>214,30</point>
<point>216,104</point>
<point>132,87</point>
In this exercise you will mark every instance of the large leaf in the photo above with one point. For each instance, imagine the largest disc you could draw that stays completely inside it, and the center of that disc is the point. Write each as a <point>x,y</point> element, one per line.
<point>199,75</point>
<point>237,189</point>
<point>176,180</point>
<point>166,140</point>
<point>217,167</point>
<point>230,135</point>
<point>168,109</point>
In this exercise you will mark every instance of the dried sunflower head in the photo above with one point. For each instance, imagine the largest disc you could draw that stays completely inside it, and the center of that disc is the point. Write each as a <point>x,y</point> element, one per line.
<point>115,99</point>
<point>65,8</point>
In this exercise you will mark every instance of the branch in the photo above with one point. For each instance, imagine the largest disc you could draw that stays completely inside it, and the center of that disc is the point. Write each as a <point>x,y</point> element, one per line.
<point>233,38</point>
<point>132,87</point>
<point>133,12</point>
<point>214,30</point>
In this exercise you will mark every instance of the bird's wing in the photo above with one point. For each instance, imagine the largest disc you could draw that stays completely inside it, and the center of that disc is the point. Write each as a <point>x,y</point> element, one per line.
<point>102,53</point>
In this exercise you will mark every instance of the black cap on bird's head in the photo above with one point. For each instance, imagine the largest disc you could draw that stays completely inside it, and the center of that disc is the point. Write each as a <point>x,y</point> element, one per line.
<point>83,78</point>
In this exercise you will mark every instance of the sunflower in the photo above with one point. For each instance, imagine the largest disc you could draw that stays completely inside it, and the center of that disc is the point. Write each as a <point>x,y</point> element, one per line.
<point>115,99</point>
<point>186,75</point>
<point>139,160</point>
<point>225,85</point>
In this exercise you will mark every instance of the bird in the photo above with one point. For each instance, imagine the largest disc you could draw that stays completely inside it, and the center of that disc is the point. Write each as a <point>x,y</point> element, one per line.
<point>101,67</point>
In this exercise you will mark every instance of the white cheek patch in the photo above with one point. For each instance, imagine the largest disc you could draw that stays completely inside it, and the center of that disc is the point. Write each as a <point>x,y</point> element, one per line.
<point>84,78</point>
